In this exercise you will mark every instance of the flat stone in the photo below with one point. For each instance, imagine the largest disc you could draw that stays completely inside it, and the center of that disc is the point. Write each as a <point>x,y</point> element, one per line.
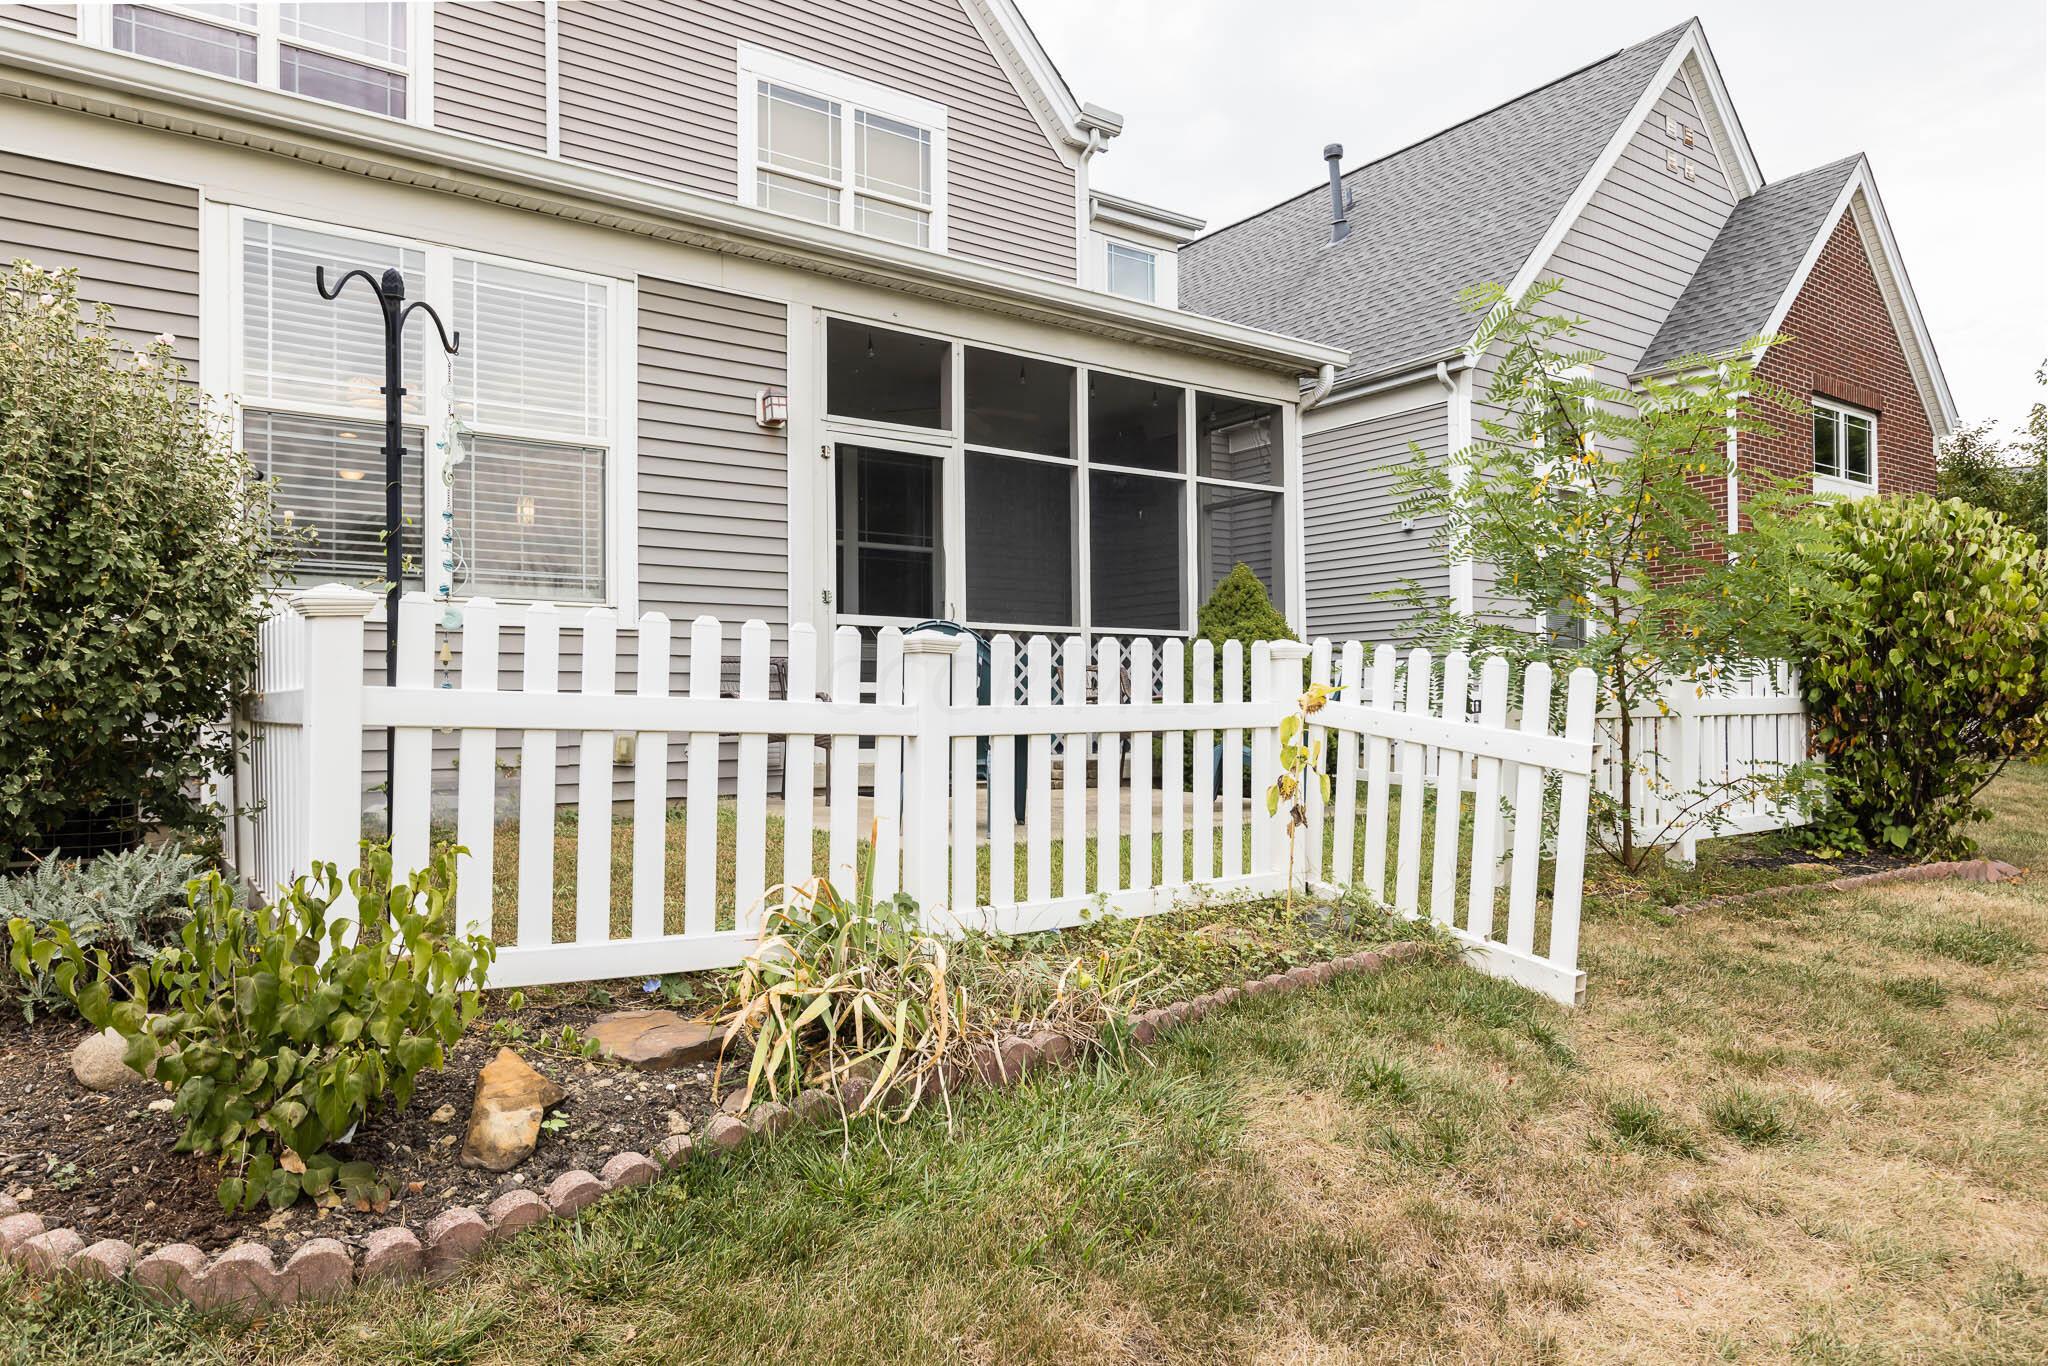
<point>48,1254</point>
<point>724,1134</point>
<point>675,1150</point>
<point>243,1279</point>
<point>572,1192</point>
<point>1227,995</point>
<point>97,1063</point>
<point>515,1210</point>
<point>628,1169</point>
<point>852,1091</point>
<point>504,1121</point>
<point>1303,976</point>
<point>1053,1049</point>
<point>453,1237</point>
<point>770,1117</point>
<point>987,1062</point>
<point>654,1039</point>
<point>109,1259</point>
<point>733,1102</point>
<point>319,1269</point>
<point>17,1229</point>
<point>392,1254</point>
<point>1143,1030</point>
<point>815,1107</point>
<point>8,1205</point>
<point>170,1272</point>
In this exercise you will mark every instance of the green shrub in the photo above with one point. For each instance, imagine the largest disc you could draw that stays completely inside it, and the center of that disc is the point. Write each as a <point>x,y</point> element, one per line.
<point>129,905</point>
<point>134,540</point>
<point>1239,610</point>
<point>277,1033</point>
<point>1926,672</point>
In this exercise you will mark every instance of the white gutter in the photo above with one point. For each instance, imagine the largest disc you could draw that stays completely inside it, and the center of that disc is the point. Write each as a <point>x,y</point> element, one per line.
<point>71,75</point>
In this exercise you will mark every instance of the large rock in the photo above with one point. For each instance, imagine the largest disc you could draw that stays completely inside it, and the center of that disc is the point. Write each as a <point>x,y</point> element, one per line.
<point>97,1063</point>
<point>504,1121</point>
<point>654,1039</point>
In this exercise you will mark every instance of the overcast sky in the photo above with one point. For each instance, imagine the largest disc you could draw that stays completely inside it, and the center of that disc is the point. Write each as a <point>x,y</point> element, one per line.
<point>1227,105</point>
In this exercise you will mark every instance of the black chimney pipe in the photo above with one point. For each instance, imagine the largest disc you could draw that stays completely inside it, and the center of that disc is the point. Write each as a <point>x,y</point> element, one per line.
<point>1340,227</point>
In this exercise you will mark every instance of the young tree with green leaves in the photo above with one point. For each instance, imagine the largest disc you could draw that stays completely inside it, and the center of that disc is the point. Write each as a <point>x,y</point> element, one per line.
<point>1591,502</point>
<point>2009,478</point>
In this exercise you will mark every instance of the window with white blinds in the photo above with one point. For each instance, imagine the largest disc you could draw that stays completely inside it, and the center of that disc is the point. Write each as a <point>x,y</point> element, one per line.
<point>356,54</point>
<point>525,408</point>
<point>311,381</point>
<point>531,385</point>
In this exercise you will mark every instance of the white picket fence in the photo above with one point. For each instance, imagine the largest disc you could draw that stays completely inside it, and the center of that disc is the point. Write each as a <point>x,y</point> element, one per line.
<point>1721,746</point>
<point>1196,825</point>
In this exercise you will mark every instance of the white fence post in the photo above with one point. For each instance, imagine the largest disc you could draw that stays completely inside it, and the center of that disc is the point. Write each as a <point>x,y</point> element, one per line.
<point>927,667</point>
<point>332,799</point>
<point>1282,688</point>
<point>1679,696</point>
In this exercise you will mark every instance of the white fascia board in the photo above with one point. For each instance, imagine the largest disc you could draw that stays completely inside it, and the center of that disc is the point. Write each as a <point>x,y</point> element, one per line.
<point>1859,196</point>
<point>69,75</point>
<point>1071,126</point>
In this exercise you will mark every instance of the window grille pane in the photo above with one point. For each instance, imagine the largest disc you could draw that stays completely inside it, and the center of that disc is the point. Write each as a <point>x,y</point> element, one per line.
<point>1131,272</point>
<point>1826,442</point>
<point>1134,542</point>
<point>1133,422</point>
<point>187,41</point>
<point>884,376</point>
<point>1019,404</point>
<point>1020,541</point>
<point>892,222</point>
<point>339,81</point>
<point>529,521</point>
<point>299,348</point>
<point>1241,526</point>
<point>1235,439</point>
<point>797,198</point>
<point>894,158</point>
<point>330,480</point>
<point>1856,444</point>
<point>533,350</point>
<point>798,132</point>
<point>375,31</point>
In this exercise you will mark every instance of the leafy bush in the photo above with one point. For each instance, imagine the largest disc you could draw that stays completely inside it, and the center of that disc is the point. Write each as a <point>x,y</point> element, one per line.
<point>1925,671</point>
<point>1239,610</point>
<point>134,540</point>
<point>279,1034</point>
<point>129,905</point>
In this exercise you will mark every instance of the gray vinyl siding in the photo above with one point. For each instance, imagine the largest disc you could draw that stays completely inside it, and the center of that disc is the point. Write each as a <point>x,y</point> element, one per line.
<point>1356,544</point>
<point>650,89</point>
<point>491,71</point>
<point>60,19</point>
<point>1626,260</point>
<point>133,242</point>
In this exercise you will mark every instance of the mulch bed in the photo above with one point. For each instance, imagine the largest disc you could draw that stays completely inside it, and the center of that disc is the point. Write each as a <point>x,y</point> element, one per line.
<point>1804,861</point>
<point>101,1163</point>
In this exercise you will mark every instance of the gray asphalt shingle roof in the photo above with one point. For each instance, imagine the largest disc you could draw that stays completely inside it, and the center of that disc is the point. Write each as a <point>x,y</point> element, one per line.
<point>1745,272</point>
<point>1463,207</point>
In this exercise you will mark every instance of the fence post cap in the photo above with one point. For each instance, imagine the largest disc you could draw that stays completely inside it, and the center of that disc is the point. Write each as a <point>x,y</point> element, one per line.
<point>1287,649</point>
<point>333,600</point>
<point>932,643</point>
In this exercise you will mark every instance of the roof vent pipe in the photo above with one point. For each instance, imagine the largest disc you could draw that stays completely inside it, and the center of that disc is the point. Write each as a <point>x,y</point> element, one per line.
<point>1340,227</point>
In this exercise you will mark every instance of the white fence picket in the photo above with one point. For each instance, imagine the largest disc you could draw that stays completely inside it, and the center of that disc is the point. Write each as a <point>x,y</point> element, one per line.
<point>1378,757</point>
<point>1232,801</point>
<point>650,785</point>
<point>1074,770</point>
<point>750,815</point>
<point>542,643</point>
<point>1344,836</point>
<point>887,854</point>
<point>1486,793</point>
<point>1142,877</point>
<point>1173,752</point>
<point>844,806</point>
<point>799,757</point>
<point>1319,664</point>
<point>1109,762</point>
<point>1450,795</point>
<point>477,774</point>
<point>700,811</point>
<point>594,783</point>
<point>965,668</point>
<point>1408,858</point>
<point>1204,765</point>
<point>1528,815</point>
<point>412,752</point>
<point>1038,781</point>
<point>1002,777</point>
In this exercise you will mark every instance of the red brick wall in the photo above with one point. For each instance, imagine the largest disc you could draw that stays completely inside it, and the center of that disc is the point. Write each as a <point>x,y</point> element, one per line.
<point>1840,344</point>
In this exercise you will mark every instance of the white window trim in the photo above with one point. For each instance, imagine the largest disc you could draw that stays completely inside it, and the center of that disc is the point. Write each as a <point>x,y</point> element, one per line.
<point>850,93</point>
<point>96,29</point>
<point>221,246</point>
<point>950,446</point>
<point>1842,484</point>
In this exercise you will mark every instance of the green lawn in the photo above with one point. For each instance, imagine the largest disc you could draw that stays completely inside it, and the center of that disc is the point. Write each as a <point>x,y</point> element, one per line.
<point>1814,1128</point>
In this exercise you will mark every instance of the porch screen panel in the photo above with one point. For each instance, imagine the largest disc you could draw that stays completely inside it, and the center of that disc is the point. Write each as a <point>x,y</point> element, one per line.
<point>1020,541</point>
<point>1134,541</point>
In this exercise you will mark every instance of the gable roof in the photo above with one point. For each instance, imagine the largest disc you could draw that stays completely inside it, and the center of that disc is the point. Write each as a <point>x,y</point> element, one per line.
<point>1747,269</point>
<point>1758,264</point>
<point>1466,205</point>
<point>1075,129</point>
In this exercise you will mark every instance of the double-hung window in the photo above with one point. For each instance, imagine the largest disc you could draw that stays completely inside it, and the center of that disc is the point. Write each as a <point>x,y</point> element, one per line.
<point>1130,271</point>
<point>834,149</point>
<point>1844,448</point>
<point>354,54</point>
<point>527,413</point>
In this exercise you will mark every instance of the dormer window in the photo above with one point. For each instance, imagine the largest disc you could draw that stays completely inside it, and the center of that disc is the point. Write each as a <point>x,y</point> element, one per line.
<point>1131,271</point>
<point>819,145</point>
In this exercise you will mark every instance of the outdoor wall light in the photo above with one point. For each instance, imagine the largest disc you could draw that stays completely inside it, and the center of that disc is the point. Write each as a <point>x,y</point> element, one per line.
<point>771,408</point>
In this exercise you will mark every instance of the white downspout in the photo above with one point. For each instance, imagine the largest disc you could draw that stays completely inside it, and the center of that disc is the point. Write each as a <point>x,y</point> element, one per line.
<point>1458,435</point>
<point>1326,379</point>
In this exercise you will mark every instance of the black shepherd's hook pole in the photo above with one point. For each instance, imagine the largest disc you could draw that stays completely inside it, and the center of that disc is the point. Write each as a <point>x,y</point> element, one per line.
<point>390,292</point>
